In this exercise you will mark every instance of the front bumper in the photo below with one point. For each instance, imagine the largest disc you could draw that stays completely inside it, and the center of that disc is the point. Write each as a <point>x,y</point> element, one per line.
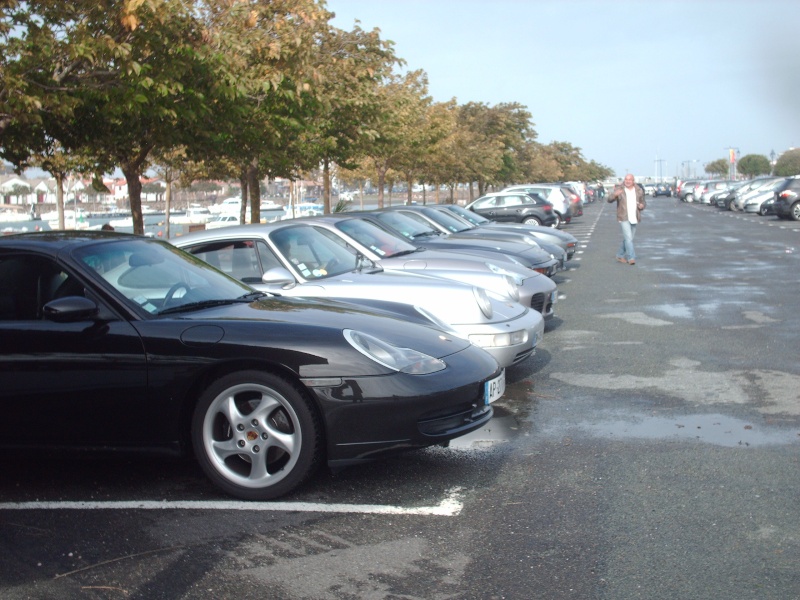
<point>368,417</point>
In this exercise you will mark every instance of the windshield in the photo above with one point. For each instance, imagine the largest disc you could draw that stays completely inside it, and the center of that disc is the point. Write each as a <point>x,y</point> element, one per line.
<point>405,225</point>
<point>378,240</point>
<point>312,253</point>
<point>452,223</point>
<point>153,275</point>
<point>468,215</point>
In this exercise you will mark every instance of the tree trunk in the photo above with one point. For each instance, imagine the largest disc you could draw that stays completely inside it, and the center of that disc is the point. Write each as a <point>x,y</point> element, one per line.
<point>254,188</point>
<point>408,191</point>
<point>381,183</point>
<point>243,205</point>
<point>131,172</point>
<point>60,198</point>
<point>167,207</point>
<point>326,186</point>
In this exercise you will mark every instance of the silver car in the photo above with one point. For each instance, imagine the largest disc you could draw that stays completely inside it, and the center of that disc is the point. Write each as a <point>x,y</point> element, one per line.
<point>393,253</point>
<point>544,235</point>
<point>297,259</point>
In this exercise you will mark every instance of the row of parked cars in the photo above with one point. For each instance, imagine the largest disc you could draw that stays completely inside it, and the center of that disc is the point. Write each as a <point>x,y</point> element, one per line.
<point>777,196</point>
<point>266,350</point>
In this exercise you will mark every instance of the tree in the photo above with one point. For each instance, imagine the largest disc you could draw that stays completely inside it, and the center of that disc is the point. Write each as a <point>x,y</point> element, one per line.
<point>401,101</point>
<point>753,165</point>
<point>788,164</point>
<point>719,167</point>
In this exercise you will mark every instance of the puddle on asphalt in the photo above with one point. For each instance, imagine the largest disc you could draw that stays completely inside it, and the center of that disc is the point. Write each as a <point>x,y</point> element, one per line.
<point>497,431</point>
<point>716,429</point>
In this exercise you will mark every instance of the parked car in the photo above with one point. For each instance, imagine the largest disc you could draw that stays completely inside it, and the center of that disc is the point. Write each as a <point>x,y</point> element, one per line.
<point>512,207</point>
<point>787,199</point>
<point>662,189</point>
<point>457,236</point>
<point>556,194</point>
<point>306,259</point>
<point>761,200</point>
<point>123,343</point>
<point>547,235</point>
<point>758,186</point>
<point>649,189</point>
<point>708,188</point>
<point>685,192</point>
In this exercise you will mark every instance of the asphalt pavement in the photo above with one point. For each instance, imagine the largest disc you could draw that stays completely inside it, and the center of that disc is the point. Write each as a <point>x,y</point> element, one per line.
<point>650,449</point>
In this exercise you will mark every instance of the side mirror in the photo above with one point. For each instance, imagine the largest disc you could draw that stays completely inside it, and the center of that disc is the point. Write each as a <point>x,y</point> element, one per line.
<point>279,277</point>
<point>69,309</point>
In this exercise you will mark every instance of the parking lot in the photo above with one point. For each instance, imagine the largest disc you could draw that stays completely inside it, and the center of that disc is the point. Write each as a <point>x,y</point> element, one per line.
<point>649,449</point>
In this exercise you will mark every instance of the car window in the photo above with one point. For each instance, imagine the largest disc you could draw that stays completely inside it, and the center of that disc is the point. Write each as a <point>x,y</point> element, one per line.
<point>485,202</point>
<point>371,236</point>
<point>404,225</point>
<point>241,259</point>
<point>507,201</point>
<point>314,252</point>
<point>28,282</point>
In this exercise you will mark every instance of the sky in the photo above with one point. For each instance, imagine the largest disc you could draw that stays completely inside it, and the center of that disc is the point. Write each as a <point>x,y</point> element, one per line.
<point>650,87</point>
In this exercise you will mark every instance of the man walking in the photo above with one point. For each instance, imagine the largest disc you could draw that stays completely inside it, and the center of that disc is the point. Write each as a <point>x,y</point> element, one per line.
<point>630,204</point>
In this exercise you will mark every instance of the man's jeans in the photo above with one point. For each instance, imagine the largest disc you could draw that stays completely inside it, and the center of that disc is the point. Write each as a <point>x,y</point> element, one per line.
<point>626,249</point>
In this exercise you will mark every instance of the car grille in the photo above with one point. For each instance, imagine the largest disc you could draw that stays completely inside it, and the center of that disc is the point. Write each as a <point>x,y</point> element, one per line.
<point>541,303</point>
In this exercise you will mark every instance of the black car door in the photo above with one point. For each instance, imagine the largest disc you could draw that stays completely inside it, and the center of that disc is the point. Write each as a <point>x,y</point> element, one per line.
<point>76,383</point>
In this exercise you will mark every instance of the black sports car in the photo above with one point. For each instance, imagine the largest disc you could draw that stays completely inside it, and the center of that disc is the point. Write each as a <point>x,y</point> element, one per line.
<point>118,342</point>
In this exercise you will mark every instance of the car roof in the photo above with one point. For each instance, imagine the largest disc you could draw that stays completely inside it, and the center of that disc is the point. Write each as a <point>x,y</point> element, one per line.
<point>55,241</point>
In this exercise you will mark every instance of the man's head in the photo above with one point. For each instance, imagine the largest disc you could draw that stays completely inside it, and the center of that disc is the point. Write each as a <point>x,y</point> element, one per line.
<point>629,181</point>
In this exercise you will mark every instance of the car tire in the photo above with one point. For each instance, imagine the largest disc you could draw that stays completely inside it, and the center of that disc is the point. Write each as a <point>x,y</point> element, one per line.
<point>532,221</point>
<point>795,211</point>
<point>558,221</point>
<point>255,435</point>
<point>688,198</point>
<point>763,211</point>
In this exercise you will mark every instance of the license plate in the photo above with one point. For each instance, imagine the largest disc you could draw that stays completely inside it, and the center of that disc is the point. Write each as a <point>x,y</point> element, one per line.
<point>492,390</point>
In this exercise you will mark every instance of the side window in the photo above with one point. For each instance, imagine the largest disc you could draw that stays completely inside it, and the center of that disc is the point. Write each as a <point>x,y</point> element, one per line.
<point>512,200</point>
<point>238,258</point>
<point>29,282</point>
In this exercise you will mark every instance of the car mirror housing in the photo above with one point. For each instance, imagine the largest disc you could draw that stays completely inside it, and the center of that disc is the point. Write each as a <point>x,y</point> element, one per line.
<point>70,308</point>
<point>279,277</point>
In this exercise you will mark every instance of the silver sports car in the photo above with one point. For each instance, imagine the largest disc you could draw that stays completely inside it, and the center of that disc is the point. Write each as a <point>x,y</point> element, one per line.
<point>295,258</point>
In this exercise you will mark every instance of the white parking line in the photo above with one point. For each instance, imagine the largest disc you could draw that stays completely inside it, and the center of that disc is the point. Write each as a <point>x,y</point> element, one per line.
<point>450,506</point>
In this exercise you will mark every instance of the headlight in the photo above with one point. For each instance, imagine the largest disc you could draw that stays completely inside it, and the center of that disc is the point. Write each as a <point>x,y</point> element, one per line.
<point>515,277</point>
<point>483,301</point>
<point>499,340</point>
<point>404,360</point>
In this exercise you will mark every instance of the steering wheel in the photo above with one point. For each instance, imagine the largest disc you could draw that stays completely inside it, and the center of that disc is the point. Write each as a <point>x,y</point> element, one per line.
<point>173,289</point>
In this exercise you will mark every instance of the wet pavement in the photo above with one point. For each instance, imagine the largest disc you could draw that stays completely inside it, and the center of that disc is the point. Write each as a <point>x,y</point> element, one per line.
<point>649,449</point>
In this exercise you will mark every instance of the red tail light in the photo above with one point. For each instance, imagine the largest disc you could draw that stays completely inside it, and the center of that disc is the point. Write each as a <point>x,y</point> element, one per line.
<point>547,208</point>
<point>787,194</point>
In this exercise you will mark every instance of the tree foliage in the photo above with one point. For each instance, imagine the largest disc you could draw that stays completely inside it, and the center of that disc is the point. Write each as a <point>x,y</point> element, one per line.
<point>788,164</point>
<point>719,167</point>
<point>241,89</point>
<point>753,165</point>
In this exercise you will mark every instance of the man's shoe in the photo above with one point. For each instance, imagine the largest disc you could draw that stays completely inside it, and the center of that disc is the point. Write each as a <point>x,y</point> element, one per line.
<point>631,262</point>
<point>622,260</point>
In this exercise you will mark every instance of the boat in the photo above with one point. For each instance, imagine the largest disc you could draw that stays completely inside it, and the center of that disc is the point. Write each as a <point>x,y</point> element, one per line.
<point>222,220</point>
<point>194,215</point>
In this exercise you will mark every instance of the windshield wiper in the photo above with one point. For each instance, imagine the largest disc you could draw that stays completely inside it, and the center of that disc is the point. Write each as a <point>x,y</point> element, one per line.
<point>200,305</point>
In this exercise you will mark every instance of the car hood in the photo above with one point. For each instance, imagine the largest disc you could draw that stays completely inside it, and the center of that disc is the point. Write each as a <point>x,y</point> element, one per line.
<point>450,302</point>
<point>276,321</point>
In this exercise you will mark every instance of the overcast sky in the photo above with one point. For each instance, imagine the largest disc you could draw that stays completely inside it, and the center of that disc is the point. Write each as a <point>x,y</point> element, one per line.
<point>635,85</point>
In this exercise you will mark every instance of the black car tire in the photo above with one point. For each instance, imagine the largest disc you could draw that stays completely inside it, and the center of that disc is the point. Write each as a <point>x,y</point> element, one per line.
<point>532,221</point>
<point>557,223</point>
<point>688,198</point>
<point>255,435</point>
<point>795,211</point>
